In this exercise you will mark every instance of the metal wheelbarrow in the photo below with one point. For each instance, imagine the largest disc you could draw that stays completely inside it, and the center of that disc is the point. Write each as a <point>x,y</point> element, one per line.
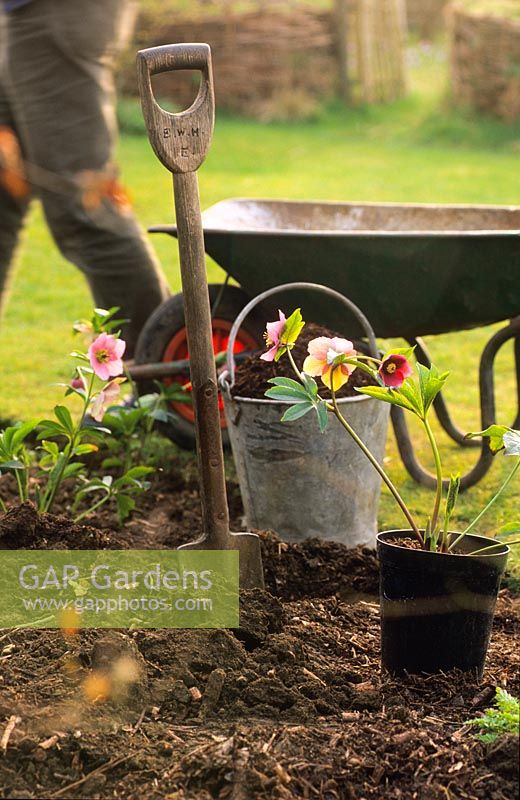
<point>413,269</point>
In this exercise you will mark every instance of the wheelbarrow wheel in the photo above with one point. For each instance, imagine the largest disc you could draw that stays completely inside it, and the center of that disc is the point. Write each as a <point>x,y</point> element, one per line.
<point>163,338</point>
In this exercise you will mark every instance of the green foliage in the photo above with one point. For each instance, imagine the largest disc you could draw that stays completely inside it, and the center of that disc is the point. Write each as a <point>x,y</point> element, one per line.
<point>287,390</point>
<point>293,327</point>
<point>12,448</point>
<point>102,321</point>
<point>64,440</point>
<point>431,381</point>
<point>57,462</point>
<point>407,399</point>
<point>132,426</point>
<point>504,718</point>
<point>122,490</point>
<point>304,396</point>
<point>453,493</point>
<point>411,396</point>
<point>495,434</point>
<point>15,457</point>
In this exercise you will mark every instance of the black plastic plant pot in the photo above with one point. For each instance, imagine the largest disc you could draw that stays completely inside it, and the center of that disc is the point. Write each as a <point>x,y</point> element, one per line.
<point>437,608</point>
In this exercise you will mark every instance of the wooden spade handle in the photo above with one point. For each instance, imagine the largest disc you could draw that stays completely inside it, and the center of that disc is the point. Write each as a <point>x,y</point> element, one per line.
<point>202,361</point>
<point>181,140</point>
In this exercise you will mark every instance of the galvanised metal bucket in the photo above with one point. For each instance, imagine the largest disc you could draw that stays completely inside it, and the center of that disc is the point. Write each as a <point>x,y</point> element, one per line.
<point>303,483</point>
<point>295,480</point>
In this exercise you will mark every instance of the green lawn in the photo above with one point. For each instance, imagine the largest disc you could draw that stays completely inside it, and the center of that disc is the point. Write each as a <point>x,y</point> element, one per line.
<point>417,149</point>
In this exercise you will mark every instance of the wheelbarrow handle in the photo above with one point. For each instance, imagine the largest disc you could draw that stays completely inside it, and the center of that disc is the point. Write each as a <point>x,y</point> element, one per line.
<point>180,141</point>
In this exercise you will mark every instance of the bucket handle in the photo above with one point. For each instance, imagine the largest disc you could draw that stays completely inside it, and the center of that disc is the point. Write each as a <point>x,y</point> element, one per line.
<point>227,378</point>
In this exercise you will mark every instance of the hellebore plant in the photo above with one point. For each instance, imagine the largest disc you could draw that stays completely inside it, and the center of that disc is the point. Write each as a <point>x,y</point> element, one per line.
<point>131,426</point>
<point>333,360</point>
<point>97,382</point>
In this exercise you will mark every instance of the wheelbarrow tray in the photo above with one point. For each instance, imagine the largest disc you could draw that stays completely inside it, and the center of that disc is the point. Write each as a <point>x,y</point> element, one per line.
<point>412,269</point>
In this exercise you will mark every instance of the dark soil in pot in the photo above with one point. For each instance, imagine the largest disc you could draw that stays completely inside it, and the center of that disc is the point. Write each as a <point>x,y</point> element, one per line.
<point>252,375</point>
<point>293,704</point>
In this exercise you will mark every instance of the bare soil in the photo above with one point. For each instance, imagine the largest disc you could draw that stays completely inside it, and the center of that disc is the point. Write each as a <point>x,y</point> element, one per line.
<point>292,704</point>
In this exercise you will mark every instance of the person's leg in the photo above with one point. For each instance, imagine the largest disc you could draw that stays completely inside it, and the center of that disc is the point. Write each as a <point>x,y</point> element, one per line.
<point>61,63</point>
<point>14,190</point>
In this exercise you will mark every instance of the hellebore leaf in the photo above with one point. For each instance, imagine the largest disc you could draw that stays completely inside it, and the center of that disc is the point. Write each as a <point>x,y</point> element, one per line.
<point>138,472</point>
<point>49,428</point>
<point>82,449</point>
<point>288,391</point>
<point>413,395</point>
<point>323,415</point>
<point>495,434</point>
<point>407,352</point>
<point>431,382</point>
<point>310,385</point>
<point>286,395</point>
<point>22,431</point>
<point>64,417</point>
<point>289,382</point>
<point>453,491</point>
<point>73,469</point>
<point>125,506</point>
<point>451,499</point>
<point>388,396</point>
<point>297,411</point>
<point>11,465</point>
<point>293,327</point>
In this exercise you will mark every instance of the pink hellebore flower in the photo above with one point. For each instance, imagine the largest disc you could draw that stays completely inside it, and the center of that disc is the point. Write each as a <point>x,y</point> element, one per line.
<point>107,396</point>
<point>105,354</point>
<point>320,361</point>
<point>272,337</point>
<point>394,369</point>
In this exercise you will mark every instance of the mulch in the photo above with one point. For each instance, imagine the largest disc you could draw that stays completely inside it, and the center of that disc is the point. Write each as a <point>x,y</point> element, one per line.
<point>292,704</point>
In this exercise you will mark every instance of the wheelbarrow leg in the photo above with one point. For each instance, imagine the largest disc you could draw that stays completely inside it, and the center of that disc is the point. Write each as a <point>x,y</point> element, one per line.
<point>487,411</point>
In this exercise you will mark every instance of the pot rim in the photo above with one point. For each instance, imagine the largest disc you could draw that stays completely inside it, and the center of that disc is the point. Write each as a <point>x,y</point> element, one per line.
<point>406,533</point>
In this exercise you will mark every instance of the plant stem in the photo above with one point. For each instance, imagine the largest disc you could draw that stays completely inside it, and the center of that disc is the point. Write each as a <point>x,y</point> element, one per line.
<point>293,364</point>
<point>135,393</point>
<point>20,486</point>
<point>49,498</point>
<point>438,471</point>
<point>379,469</point>
<point>26,481</point>
<point>491,546</point>
<point>92,508</point>
<point>493,500</point>
<point>55,482</point>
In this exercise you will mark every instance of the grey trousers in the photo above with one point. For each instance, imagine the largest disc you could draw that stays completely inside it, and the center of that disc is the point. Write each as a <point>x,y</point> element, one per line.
<point>57,97</point>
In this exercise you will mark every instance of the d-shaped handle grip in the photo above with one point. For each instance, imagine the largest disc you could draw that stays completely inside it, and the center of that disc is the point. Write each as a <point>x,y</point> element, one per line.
<point>181,140</point>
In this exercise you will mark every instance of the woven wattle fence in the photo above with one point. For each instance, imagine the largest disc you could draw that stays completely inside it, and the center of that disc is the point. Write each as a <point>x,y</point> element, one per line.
<point>426,17</point>
<point>485,59</point>
<point>279,58</point>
